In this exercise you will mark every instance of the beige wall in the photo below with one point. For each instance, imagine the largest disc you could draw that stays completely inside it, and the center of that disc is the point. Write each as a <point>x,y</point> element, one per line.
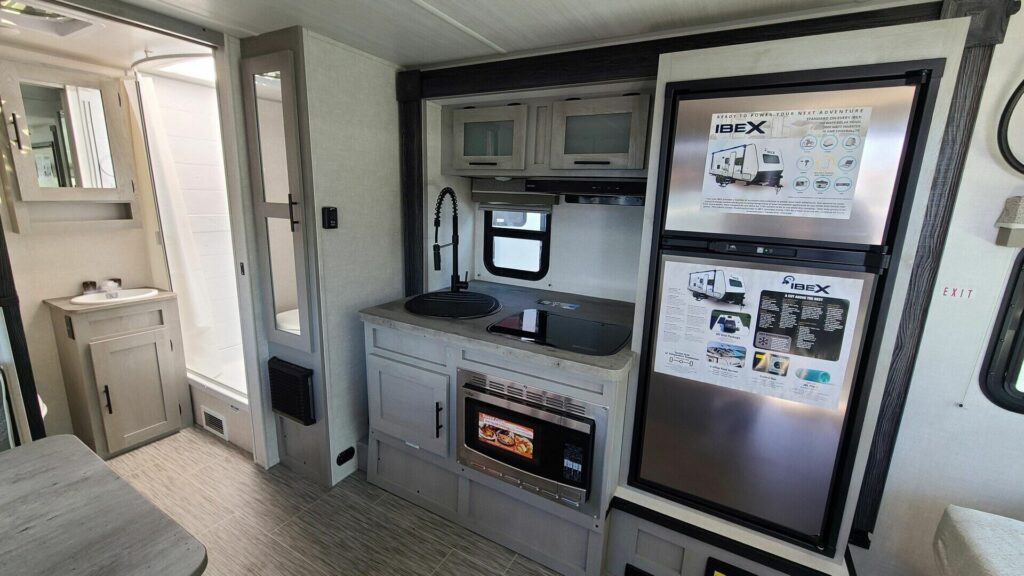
<point>353,136</point>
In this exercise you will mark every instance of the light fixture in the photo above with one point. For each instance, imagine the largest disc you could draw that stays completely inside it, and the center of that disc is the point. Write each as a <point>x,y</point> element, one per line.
<point>38,16</point>
<point>1011,223</point>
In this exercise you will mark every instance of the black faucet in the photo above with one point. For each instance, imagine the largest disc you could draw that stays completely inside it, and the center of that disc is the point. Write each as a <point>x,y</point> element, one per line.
<point>457,283</point>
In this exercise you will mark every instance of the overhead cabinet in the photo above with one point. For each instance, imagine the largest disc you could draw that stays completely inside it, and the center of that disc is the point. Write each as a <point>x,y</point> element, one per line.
<point>493,137</point>
<point>599,133</point>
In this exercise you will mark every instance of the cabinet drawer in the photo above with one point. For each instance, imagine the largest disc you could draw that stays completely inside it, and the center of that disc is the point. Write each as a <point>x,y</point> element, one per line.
<point>409,403</point>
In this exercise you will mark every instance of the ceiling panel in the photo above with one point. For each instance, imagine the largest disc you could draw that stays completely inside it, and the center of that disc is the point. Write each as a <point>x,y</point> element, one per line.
<point>399,31</point>
<point>533,24</point>
<point>421,32</point>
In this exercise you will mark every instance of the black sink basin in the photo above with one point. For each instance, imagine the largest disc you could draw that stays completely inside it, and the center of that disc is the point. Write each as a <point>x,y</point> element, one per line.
<point>453,305</point>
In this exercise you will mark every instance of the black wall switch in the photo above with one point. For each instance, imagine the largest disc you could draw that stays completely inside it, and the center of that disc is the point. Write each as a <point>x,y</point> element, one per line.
<point>330,217</point>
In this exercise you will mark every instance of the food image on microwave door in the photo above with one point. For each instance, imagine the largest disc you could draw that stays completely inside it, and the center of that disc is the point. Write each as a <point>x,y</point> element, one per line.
<point>505,435</point>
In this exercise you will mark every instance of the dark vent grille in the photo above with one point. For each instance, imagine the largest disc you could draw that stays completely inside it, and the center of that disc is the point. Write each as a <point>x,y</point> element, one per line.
<point>291,391</point>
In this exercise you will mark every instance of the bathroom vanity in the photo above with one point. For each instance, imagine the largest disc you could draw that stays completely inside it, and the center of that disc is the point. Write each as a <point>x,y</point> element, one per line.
<point>124,370</point>
<point>512,438</point>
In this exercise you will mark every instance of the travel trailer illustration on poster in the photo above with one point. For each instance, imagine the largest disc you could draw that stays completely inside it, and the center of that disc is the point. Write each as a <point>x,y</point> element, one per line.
<point>747,164</point>
<point>718,285</point>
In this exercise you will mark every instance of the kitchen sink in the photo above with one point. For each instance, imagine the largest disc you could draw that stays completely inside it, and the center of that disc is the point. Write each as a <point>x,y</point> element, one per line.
<point>125,295</point>
<point>448,304</point>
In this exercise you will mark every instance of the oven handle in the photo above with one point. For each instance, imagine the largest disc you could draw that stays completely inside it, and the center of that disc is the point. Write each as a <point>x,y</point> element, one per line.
<point>527,410</point>
<point>437,419</point>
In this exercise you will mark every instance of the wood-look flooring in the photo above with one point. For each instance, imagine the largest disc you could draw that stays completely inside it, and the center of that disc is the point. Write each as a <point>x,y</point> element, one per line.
<point>269,523</point>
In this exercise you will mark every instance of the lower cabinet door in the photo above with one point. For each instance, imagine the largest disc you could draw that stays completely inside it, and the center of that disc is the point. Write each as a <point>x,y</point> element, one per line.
<point>135,378</point>
<point>409,403</point>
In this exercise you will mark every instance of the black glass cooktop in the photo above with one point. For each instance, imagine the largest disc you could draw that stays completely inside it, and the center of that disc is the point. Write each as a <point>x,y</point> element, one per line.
<point>563,332</point>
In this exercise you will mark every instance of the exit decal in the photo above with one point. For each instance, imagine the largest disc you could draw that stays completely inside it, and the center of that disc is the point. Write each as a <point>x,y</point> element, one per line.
<point>957,292</point>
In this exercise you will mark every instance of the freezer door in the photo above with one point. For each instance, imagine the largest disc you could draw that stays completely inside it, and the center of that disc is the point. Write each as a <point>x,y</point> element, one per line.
<point>818,165</point>
<point>747,389</point>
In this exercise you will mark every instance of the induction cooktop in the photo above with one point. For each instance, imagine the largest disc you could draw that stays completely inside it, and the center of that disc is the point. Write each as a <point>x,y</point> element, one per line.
<point>563,332</point>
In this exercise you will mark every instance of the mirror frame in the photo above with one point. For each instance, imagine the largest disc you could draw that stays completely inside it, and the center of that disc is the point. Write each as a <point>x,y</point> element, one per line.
<point>11,102</point>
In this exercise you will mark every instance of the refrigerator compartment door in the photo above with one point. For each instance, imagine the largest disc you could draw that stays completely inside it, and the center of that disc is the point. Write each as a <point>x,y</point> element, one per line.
<point>803,165</point>
<point>746,393</point>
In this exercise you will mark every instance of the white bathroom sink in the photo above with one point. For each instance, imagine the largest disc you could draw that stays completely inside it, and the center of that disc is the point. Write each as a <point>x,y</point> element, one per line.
<point>124,295</point>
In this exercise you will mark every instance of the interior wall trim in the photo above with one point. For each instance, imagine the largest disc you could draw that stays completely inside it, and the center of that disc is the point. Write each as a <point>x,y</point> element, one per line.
<point>629,61</point>
<point>144,18</point>
<point>19,342</point>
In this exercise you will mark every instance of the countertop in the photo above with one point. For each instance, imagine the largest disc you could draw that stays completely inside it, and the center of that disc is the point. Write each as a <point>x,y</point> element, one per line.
<point>63,511</point>
<point>515,299</point>
<point>978,543</point>
<point>66,305</point>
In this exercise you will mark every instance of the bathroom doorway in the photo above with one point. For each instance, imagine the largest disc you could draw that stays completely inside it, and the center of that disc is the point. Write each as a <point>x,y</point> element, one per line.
<point>179,114</point>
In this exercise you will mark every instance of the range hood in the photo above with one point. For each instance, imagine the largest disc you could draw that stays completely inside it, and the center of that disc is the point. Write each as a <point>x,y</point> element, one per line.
<point>617,192</point>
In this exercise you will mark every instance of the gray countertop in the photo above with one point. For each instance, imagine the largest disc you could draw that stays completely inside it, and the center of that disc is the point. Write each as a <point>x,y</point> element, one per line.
<point>515,299</point>
<point>66,305</point>
<point>64,511</point>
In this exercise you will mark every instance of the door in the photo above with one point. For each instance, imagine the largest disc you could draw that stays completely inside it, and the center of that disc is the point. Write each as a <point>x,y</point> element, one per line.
<point>489,138</point>
<point>409,403</point>
<point>135,381</point>
<point>747,417</point>
<point>600,133</point>
<point>279,202</point>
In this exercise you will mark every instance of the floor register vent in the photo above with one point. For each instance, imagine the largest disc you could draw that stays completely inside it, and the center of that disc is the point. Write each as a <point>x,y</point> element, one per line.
<point>214,422</point>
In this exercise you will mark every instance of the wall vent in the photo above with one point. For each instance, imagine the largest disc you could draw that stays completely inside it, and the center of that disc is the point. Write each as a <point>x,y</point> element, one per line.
<point>214,422</point>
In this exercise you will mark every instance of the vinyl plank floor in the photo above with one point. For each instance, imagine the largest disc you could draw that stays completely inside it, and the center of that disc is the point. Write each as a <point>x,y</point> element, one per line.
<point>277,523</point>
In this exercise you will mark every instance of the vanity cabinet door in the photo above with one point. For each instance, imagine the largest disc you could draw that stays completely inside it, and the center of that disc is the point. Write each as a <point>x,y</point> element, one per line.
<point>409,403</point>
<point>489,138</point>
<point>137,392</point>
<point>600,133</point>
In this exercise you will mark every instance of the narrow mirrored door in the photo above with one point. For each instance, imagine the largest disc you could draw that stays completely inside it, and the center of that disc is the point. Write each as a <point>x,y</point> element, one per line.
<point>272,128</point>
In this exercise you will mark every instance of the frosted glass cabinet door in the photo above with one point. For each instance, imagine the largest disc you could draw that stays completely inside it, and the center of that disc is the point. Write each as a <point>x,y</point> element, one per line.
<point>600,133</point>
<point>489,138</point>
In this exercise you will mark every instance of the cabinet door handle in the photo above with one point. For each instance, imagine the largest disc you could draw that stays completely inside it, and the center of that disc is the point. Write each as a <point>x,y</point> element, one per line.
<point>437,419</point>
<point>17,130</point>
<point>291,212</point>
<point>593,162</point>
<point>483,163</point>
<point>106,392</point>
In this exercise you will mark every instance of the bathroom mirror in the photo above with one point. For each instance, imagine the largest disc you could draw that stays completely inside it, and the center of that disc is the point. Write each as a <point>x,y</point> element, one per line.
<point>67,133</point>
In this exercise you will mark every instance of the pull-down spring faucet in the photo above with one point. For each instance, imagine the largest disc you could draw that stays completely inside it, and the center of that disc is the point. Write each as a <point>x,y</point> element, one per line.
<point>457,283</point>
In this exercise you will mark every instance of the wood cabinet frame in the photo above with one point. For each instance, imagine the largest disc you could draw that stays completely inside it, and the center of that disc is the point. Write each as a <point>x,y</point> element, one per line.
<point>637,105</point>
<point>515,113</point>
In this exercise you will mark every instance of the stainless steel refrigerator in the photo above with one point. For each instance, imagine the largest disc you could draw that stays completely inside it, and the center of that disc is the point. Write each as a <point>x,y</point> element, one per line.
<point>782,201</point>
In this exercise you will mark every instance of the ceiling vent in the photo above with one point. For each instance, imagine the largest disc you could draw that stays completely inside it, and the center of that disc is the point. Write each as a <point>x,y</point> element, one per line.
<point>40,17</point>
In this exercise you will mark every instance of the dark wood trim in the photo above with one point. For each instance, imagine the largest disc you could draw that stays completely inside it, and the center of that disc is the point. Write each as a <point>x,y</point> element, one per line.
<point>640,59</point>
<point>949,169</point>
<point>410,152</point>
<point>19,342</point>
<point>606,64</point>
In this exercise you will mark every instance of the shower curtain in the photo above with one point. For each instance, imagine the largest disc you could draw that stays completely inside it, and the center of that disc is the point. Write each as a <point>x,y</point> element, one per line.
<point>183,262</point>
